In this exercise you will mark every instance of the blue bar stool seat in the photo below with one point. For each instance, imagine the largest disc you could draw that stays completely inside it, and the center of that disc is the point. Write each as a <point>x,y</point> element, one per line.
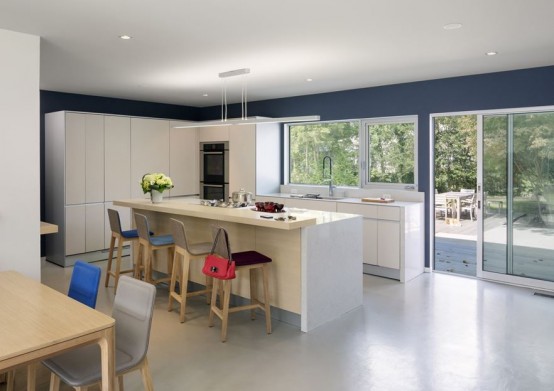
<point>148,244</point>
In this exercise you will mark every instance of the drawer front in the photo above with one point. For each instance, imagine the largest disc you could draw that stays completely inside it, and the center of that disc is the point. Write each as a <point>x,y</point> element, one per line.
<point>368,211</point>
<point>389,213</point>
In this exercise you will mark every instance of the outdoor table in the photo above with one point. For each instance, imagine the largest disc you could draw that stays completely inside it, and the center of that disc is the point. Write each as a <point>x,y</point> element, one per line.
<point>457,197</point>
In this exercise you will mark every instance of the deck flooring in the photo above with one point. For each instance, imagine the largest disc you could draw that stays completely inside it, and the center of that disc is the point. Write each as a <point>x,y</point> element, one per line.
<point>456,247</point>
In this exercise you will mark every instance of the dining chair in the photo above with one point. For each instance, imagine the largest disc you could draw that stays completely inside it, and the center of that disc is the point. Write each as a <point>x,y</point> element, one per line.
<point>148,244</point>
<point>83,286</point>
<point>133,310</point>
<point>185,252</point>
<point>120,236</point>
<point>245,260</point>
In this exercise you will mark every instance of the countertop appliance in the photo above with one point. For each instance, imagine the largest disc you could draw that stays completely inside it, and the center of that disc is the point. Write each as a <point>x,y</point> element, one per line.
<point>214,170</point>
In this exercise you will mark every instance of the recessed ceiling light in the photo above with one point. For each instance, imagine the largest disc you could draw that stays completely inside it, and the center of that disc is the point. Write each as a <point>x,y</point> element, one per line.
<point>309,80</point>
<point>125,37</point>
<point>452,26</point>
<point>491,53</point>
<point>204,94</point>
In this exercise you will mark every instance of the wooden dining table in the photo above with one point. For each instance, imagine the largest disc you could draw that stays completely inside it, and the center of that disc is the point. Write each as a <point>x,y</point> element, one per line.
<point>38,322</point>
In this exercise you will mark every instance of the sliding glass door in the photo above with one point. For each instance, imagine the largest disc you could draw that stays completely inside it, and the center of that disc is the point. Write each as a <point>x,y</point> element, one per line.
<point>517,196</point>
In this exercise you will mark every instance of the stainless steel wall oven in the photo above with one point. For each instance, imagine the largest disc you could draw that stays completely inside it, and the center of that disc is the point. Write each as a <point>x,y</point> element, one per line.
<point>214,170</point>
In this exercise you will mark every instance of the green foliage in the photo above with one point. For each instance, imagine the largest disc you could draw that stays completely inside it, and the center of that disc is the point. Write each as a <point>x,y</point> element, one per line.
<point>310,143</point>
<point>391,152</point>
<point>455,153</point>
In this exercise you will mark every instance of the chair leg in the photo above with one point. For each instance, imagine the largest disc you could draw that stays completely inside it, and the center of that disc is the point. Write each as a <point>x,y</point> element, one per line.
<point>118,264</point>
<point>139,262</point>
<point>225,314</point>
<point>174,273</point>
<point>148,264</point>
<point>215,288</point>
<point>267,306</point>
<point>31,376</point>
<point>253,292</point>
<point>10,380</point>
<point>54,382</point>
<point>110,258</point>
<point>209,287</point>
<point>120,386</point>
<point>183,283</point>
<point>146,377</point>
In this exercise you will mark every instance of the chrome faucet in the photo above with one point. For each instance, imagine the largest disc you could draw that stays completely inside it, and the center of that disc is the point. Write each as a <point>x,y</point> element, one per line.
<point>331,187</point>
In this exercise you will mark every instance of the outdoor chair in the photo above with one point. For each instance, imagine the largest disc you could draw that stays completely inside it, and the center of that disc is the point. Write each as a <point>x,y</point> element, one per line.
<point>441,206</point>
<point>469,205</point>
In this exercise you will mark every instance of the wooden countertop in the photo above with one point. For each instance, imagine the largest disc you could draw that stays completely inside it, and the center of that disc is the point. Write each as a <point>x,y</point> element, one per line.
<point>47,228</point>
<point>191,207</point>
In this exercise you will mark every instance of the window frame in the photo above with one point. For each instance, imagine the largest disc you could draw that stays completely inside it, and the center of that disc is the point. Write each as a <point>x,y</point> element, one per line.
<point>363,158</point>
<point>365,148</point>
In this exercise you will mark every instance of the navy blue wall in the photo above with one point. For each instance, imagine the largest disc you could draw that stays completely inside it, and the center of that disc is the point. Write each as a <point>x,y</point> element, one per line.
<point>522,88</point>
<point>513,89</point>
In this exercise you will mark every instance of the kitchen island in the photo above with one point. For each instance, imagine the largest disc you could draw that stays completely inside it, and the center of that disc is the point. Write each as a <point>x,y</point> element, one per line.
<point>316,273</point>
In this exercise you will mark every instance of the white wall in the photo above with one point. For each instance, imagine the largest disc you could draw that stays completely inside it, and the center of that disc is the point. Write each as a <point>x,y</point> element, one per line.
<point>19,153</point>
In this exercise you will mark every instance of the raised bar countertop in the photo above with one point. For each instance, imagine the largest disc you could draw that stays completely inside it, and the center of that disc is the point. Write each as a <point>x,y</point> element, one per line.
<point>191,207</point>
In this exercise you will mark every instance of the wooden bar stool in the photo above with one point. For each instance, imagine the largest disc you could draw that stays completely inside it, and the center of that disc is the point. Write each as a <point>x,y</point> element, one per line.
<point>147,245</point>
<point>186,252</point>
<point>246,260</point>
<point>121,237</point>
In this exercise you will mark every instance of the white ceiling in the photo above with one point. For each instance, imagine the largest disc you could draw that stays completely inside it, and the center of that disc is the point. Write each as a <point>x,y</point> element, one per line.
<point>180,46</point>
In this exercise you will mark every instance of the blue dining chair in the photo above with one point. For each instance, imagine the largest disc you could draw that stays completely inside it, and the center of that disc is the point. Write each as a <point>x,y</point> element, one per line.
<point>84,283</point>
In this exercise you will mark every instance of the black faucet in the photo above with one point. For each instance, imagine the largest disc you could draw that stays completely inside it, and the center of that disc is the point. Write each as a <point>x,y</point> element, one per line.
<point>330,174</point>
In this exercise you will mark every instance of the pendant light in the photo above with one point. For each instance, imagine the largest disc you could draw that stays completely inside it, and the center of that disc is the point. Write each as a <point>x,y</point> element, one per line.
<point>244,120</point>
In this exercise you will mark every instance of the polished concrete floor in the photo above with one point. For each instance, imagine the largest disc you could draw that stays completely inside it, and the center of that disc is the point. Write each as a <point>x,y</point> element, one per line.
<point>436,332</point>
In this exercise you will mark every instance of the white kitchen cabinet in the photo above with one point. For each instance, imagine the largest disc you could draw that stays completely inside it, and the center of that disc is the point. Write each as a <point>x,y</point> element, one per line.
<point>370,240</point>
<point>149,150</point>
<point>71,131</point>
<point>213,133</point>
<point>117,157</point>
<point>242,158</point>
<point>388,244</point>
<point>74,229</point>
<point>393,238</point>
<point>183,164</point>
<point>94,158</point>
<point>74,181</point>
<point>94,227</point>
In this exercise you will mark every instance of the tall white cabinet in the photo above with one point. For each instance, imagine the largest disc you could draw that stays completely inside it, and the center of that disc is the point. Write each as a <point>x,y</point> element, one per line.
<point>74,188</point>
<point>92,160</point>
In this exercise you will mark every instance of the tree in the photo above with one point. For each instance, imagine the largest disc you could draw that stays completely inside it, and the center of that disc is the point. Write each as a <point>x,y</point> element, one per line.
<point>455,153</point>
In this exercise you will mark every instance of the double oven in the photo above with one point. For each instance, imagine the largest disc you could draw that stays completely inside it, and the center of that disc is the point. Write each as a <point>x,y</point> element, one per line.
<point>214,170</point>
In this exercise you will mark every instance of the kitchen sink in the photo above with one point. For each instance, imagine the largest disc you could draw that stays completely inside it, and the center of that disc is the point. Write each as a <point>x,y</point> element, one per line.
<point>316,197</point>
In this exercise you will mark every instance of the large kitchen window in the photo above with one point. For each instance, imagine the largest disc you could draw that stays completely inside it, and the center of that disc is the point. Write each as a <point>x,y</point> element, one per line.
<point>391,150</point>
<point>364,153</point>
